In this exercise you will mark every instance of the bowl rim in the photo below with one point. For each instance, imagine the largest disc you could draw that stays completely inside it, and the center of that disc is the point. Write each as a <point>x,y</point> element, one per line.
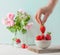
<point>42,40</point>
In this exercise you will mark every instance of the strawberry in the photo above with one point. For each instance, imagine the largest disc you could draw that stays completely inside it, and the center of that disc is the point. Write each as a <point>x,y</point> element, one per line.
<point>24,46</point>
<point>18,41</point>
<point>48,36</point>
<point>43,37</point>
<point>42,28</point>
<point>39,37</point>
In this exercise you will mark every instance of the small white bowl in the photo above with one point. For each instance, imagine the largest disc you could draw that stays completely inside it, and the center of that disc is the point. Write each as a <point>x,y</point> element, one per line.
<point>43,43</point>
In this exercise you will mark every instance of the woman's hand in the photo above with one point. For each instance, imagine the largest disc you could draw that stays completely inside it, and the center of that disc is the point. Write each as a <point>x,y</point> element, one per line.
<point>46,11</point>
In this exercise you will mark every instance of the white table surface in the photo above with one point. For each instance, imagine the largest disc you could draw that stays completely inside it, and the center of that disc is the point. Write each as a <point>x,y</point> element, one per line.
<point>10,50</point>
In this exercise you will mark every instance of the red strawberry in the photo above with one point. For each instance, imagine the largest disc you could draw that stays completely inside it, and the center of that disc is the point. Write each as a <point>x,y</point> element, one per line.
<point>42,28</point>
<point>39,37</point>
<point>18,41</point>
<point>43,37</point>
<point>24,46</point>
<point>48,36</point>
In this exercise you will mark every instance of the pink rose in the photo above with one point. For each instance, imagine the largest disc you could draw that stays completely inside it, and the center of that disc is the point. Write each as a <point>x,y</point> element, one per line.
<point>29,26</point>
<point>10,16</point>
<point>8,22</point>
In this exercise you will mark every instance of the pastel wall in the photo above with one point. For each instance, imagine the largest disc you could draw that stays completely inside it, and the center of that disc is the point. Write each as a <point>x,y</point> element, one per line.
<point>31,6</point>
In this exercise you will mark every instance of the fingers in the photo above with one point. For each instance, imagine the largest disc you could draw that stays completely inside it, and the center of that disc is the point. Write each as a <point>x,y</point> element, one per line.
<point>45,18</point>
<point>38,16</point>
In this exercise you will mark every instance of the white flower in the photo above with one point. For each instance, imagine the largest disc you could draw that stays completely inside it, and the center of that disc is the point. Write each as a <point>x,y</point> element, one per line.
<point>22,11</point>
<point>23,16</point>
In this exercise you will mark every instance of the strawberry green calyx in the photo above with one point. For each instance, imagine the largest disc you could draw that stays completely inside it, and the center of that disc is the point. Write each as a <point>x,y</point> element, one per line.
<point>49,33</point>
<point>42,24</point>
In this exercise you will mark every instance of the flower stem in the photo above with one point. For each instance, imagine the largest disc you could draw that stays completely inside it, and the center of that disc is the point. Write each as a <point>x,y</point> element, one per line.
<point>15,34</point>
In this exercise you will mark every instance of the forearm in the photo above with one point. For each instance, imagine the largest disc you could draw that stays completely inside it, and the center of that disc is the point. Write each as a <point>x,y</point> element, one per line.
<point>49,8</point>
<point>52,3</point>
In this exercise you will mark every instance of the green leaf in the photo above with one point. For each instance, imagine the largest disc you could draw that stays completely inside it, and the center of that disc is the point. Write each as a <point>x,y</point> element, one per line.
<point>17,19</point>
<point>19,28</point>
<point>25,23</point>
<point>12,29</point>
<point>24,31</point>
<point>27,19</point>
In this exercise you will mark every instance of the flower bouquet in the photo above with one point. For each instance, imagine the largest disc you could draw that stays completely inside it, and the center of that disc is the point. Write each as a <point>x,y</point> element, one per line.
<point>18,22</point>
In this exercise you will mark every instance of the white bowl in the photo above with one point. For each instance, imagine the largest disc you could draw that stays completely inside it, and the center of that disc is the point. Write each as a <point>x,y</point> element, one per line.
<point>43,43</point>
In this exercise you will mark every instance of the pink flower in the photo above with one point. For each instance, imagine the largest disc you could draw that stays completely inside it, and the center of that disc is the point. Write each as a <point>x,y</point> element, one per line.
<point>10,16</point>
<point>8,22</point>
<point>29,26</point>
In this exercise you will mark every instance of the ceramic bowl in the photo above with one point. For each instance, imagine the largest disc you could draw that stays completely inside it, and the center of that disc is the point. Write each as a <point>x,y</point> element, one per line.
<point>43,43</point>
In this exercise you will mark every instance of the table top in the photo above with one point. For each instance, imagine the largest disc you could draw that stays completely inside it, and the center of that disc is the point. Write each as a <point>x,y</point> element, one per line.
<point>10,50</point>
<point>51,49</point>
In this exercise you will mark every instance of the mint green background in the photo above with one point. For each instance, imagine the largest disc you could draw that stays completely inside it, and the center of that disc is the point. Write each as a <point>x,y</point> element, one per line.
<point>31,6</point>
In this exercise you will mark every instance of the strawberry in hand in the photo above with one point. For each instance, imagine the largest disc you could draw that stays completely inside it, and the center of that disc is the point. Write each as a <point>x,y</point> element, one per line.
<point>42,28</point>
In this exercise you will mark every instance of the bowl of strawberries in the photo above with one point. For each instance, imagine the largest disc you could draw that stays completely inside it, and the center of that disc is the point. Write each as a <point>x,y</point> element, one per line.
<point>43,41</point>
